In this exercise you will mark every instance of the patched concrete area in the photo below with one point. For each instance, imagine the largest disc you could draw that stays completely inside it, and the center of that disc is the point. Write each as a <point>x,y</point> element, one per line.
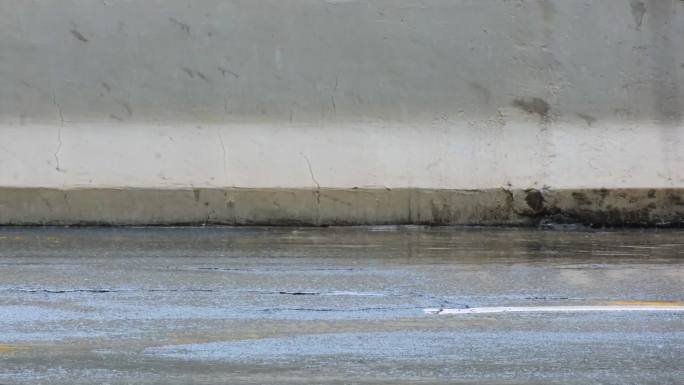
<point>340,305</point>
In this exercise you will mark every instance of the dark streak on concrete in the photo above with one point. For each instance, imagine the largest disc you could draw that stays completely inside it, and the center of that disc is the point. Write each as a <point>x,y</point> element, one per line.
<point>533,105</point>
<point>227,71</point>
<point>203,76</point>
<point>188,71</point>
<point>590,120</point>
<point>78,35</point>
<point>184,27</point>
<point>128,108</point>
<point>638,10</point>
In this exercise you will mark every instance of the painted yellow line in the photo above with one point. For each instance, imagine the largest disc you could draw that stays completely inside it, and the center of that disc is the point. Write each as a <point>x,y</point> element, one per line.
<point>4,348</point>
<point>646,303</point>
<point>556,309</point>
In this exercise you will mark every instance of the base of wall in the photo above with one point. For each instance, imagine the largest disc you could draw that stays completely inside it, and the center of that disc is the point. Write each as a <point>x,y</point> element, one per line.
<point>323,207</point>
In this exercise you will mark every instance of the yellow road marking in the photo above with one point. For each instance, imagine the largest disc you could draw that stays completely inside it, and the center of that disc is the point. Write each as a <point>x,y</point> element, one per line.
<point>4,348</point>
<point>646,303</point>
<point>559,309</point>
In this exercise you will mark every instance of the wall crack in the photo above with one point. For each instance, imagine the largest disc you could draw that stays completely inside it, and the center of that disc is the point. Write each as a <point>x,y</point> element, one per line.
<point>59,134</point>
<point>223,150</point>
<point>317,192</point>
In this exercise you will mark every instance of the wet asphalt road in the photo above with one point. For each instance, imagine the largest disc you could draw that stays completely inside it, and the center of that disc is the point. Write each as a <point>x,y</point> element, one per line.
<point>337,305</point>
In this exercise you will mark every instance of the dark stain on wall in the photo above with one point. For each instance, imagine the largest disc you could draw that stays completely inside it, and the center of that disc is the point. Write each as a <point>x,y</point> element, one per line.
<point>534,105</point>
<point>535,200</point>
<point>79,36</point>
<point>638,10</point>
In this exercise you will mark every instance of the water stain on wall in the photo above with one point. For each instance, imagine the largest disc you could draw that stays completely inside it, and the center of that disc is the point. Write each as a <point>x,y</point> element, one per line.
<point>533,105</point>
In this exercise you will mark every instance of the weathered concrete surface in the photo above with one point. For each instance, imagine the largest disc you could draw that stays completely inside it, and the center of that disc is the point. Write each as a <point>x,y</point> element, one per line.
<point>204,61</point>
<point>337,305</point>
<point>440,95</point>
<point>322,207</point>
<point>518,152</point>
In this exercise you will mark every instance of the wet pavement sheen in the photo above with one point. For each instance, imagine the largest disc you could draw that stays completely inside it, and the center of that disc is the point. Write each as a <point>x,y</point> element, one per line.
<point>337,305</point>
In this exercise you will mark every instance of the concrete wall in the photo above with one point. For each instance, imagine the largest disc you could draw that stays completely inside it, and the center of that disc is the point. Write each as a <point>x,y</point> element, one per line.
<point>304,95</point>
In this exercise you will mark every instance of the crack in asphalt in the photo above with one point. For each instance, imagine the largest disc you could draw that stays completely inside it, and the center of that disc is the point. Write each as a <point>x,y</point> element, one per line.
<point>298,293</point>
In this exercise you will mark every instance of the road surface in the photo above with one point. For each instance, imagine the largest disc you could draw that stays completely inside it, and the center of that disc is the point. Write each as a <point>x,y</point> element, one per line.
<point>380,305</point>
